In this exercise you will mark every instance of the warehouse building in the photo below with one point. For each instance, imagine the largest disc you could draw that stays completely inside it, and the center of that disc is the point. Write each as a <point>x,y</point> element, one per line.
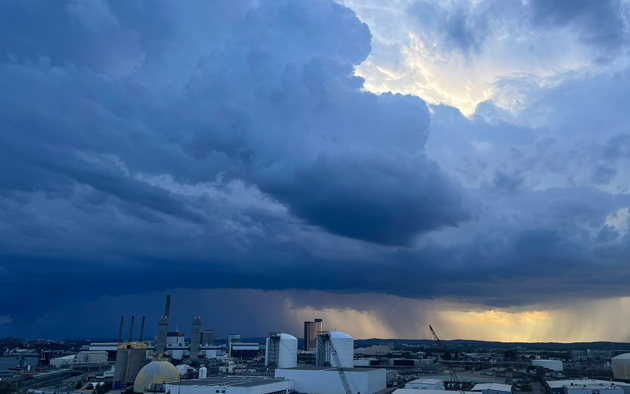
<point>91,357</point>
<point>231,385</point>
<point>62,362</point>
<point>326,380</point>
<point>425,384</point>
<point>587,386</point>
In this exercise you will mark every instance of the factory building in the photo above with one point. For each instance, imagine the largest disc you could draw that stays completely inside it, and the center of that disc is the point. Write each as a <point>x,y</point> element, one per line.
<point>554,365</point>
<point>62,362</point>
<point>311,330</point>
<point>244,350</point>
<point>281,350</point>
<point>339,341</point>
<point>492,388</point>
<point>91,357</point>
<point>326,380</point>
<point>110,347</point>
<point>621,366</point>
<point>155,372</point>
<point>231,385</point>
<point>425,384</point>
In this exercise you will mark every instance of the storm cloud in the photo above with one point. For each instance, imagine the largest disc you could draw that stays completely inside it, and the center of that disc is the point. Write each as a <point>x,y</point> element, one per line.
<point>232,145</point>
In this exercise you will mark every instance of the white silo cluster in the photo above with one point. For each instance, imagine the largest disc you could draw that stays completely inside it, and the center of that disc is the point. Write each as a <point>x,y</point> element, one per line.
<point>281,350</point>
<point>621,366</point>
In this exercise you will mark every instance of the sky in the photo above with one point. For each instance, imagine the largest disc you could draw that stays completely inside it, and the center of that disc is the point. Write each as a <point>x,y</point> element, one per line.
<point>380,165</point>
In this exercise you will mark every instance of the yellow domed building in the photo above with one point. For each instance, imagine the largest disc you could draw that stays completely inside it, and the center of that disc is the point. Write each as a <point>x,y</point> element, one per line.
<point>155,372</point>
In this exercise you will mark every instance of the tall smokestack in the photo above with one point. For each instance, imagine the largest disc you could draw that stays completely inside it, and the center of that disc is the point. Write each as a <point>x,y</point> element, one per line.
<point>167,309</point>
<point>141,330</point>
<point>160,344</point>
<point>131,328</point>
<point>195,338</point>
<point>122,319</point>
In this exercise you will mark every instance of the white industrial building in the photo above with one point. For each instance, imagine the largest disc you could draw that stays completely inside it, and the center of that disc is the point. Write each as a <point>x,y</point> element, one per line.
<point>91,357</point>
<point>326,380</point>
<point>492,388</point>
<point>62,362</point>
<point>554,365</point>
<point>281,350</point>
<point>425,384</point>
<point>621,366</point>
<point>231,385</point>
<point>587,386</point>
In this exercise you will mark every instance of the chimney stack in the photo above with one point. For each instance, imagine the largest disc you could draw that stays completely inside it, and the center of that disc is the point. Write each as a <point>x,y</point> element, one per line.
<point>141,330</point>
<point>122,319</point>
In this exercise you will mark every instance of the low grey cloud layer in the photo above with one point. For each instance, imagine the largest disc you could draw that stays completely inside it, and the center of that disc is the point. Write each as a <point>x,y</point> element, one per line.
<point>231,145</point>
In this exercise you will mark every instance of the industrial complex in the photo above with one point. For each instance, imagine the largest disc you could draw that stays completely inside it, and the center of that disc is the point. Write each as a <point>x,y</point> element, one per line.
<point>321,362</point>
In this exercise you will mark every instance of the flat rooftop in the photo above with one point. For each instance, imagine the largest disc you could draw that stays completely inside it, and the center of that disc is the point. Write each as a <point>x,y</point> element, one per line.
<point>236,381</point>
<point>334,369</point>
<point>426,381</point>
<point>493,386</point>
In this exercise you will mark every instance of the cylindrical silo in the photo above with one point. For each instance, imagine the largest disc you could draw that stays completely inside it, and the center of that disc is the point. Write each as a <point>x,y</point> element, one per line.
<point>344,345</point>
<point>203,373</point>
<point>621,366</point>
<point>287,352</point>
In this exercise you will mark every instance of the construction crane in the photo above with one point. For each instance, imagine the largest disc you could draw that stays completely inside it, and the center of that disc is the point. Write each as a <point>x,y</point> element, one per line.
<point>345,379</point>
<point>454,377</point>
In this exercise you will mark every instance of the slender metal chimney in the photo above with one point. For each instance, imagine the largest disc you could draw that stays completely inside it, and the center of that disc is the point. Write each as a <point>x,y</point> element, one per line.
<point>141,330</point>
<point>131,328</point>
<point>167,309</point>
<point>122,319</point>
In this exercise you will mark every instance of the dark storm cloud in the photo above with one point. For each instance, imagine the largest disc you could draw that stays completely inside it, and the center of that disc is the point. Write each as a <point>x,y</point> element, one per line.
<point>599,23</point>
<point>221,145</point>
<point>465,26</point>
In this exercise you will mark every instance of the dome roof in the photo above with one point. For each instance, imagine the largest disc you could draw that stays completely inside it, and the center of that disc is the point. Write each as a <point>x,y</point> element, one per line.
<point>287,336</point>
<point>155,372</point>
<point>339,334</point>
<point>624,356</point>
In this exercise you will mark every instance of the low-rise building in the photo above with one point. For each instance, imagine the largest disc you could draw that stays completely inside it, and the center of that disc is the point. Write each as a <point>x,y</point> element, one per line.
<point>91,357</point>
<point>425,384</point>
<point>62,362</point>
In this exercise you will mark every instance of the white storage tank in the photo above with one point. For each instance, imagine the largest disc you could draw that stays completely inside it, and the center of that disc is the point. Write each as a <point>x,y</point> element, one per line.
<point>621,366</point>
<point>281,350</point>
<point>203,373</point>
<point>344,345</point>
